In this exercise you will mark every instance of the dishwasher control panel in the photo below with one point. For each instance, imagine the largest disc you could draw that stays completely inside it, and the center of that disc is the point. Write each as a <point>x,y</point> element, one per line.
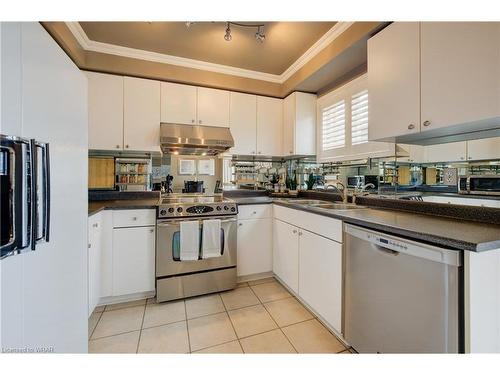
<point>404,246</point>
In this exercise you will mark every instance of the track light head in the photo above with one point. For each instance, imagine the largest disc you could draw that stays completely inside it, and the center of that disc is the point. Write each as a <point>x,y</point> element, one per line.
<point>228,36</point>
<point>260,36</point>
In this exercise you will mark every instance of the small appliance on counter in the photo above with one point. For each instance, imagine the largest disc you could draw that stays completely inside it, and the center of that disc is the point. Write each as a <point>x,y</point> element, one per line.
<point>479,184</point>
<point>359,181</point>
<point>193,187</point>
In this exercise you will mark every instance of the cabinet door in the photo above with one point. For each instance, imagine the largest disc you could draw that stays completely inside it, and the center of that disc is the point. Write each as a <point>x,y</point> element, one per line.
<point>416,153</point>
<point>94,262</point>
<point>141,114</point>
<point>454,151</point>
<point>305,124</point>
<point>320,276</point>
<point>394,81</point>
<point>213,107</point>
<point>105,96</point>
<point>483,149</point>
<point>269,126</point>
<point>289,125</point>
<point>178,103</point>
<point>460,66</point>
<point>286,253</point>
<point>133,260</point>
<point>255,246</point>
<point>243,113</point>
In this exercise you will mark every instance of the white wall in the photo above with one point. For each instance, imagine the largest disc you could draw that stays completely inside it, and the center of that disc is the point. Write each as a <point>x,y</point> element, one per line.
<point>44,293</point>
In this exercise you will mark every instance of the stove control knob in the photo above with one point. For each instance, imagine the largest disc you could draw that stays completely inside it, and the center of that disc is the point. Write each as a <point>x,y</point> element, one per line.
<point>226,208</point>
<point>171,210</point>
<point>163,212</point>
<point>219,208</point>
<point>179,209</point>
<point>233,209</point>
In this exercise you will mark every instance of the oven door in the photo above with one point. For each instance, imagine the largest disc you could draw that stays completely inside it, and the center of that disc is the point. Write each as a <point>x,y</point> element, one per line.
<point>168,261</point>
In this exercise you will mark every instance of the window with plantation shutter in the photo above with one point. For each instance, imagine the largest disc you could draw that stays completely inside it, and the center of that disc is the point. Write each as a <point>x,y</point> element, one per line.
<point>359,118</point>
<point>333,126</point>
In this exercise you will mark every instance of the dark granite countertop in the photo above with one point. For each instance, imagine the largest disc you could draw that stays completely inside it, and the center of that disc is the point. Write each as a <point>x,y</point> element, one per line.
<point>252,200</point>
<point>440,231</point>
<point>121,204</point>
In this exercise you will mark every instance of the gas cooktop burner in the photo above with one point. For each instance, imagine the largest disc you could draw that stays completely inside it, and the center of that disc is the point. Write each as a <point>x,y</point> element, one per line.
<point>171,207</point>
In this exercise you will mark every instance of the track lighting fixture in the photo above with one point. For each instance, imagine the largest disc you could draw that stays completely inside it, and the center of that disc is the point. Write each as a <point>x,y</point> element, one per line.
<point>259,35</point>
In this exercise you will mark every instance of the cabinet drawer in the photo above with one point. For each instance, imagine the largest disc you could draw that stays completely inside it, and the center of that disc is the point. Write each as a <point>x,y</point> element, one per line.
<point>133,218</point>
<point>322,225</point>
<point>259,211</point>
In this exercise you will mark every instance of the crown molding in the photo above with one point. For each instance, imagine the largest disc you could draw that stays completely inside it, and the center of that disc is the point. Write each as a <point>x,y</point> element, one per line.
<point>318,46</point>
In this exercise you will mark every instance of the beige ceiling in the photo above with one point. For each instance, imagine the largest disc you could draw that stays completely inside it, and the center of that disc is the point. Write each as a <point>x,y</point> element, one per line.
<point>285,41</point>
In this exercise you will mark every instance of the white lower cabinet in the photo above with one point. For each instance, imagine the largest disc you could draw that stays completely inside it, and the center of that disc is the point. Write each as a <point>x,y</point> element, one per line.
<point>286,253</point>
<point>133,260</point>
<point>255,246</point>
<point>320,276</point>
<point>308,263</point>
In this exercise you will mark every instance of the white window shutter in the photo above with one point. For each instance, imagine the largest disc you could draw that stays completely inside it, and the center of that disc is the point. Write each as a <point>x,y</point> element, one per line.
<point>359,118</point>
<point>333,126</point>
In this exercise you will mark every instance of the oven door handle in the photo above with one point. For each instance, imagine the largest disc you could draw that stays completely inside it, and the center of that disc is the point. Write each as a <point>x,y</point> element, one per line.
<point>177,222</point>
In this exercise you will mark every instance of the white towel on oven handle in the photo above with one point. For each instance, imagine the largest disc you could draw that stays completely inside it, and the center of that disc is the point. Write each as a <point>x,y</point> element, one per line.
<point>190,240</point>
<point>210,242</point>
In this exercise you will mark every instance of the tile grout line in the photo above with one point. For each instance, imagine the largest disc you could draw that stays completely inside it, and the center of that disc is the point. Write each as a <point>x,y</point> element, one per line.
<point>232,325</point>
<point>293,347</point>
<point>187,326</point>
<point>140,332</point>
<point>93,330</point>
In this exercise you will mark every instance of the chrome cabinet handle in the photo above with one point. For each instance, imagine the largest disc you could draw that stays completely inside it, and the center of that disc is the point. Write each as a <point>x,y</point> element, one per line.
<point>411,126</point>
<point>300,233</point>
<point>294,231</point>
<point>427,123</point>
<point>95,225</point>
<point>259,152</point>
<point>126,146</point>
<point>89,246</point>
<point>192,121</point>
<point>134,218</point>
<point>151,230</point>
<point>255,212</point>
<point>240,224</point>
<point>117,146</point>
<point>199,121</point>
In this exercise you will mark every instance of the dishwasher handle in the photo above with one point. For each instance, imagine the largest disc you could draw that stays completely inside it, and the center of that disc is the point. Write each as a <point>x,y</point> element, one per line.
<point>385,250</point>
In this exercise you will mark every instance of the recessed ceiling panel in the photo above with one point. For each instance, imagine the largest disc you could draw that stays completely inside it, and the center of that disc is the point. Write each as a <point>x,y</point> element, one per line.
<point>285,41</point>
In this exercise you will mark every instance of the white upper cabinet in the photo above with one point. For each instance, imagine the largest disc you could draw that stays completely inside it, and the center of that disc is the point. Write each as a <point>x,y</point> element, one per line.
<point>483,149</point>
<point>455,151</point>
<point>344,120</point>
<point>178,103</point>
<point>460,72</point>
<point>299,127</point>
<point>434,79</point>
<point>243,118</point>
<point>394,81</point>
<point>141,117</point>
<point>105,96</point>
<point>269,126</point>
<point>213,107</point>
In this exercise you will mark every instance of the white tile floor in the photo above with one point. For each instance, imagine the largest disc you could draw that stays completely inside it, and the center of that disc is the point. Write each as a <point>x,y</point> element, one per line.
<point>257,317</point>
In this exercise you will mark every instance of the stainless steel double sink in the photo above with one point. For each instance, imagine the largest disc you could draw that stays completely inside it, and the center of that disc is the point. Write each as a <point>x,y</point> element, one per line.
<point>325,205</point>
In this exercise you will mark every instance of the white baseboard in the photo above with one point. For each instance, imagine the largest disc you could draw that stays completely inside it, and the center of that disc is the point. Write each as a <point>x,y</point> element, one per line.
<point>126,298</point>
<point>255,276</point>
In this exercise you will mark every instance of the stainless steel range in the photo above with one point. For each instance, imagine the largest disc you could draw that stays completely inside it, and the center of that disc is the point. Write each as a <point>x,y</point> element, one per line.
<point>178,279</point>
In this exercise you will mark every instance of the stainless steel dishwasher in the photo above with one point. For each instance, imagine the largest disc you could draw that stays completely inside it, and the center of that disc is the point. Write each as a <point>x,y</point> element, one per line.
<point>401,296</point>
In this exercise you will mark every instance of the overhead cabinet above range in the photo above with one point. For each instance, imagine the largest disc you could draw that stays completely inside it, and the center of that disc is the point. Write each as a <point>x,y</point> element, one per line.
<point>431,80</point>
<point>184,104</point>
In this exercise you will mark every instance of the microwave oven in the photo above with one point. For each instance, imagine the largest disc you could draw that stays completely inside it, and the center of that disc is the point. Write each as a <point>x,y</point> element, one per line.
<point>479,184</point>
<point>359,181</point>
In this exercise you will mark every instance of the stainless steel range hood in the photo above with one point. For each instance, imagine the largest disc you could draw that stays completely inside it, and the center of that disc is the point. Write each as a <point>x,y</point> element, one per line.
<point>194,139</point>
